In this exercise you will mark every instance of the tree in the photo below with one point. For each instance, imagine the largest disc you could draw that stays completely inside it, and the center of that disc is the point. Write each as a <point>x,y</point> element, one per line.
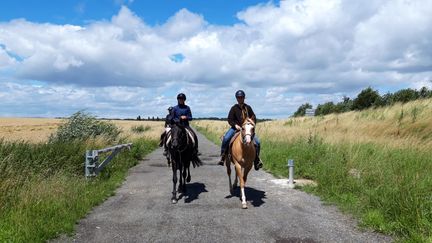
<point>366,98</point>
<point>301,111</point>
<point>425,93</point>
<point>139,118</point>
<point>344,106</point>
<point>405,95</point>
<point>325,109</point>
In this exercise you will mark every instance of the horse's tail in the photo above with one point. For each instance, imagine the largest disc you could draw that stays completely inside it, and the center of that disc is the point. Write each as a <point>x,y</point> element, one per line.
<point>196,162</point>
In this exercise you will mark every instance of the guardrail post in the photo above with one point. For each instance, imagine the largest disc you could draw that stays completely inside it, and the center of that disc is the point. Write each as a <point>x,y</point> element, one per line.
<point>291,173</point>
<point>91,162</point>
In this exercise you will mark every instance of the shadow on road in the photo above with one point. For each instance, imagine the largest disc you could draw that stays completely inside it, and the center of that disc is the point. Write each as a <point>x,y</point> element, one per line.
<point>254,196</point>
<point>193,191</point>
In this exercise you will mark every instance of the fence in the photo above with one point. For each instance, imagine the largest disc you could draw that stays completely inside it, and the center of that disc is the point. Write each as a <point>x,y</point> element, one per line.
<point>93,167</point>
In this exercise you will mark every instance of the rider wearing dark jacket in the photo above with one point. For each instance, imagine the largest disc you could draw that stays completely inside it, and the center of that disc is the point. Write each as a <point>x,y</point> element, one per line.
<point>239,113</point>
<point>182,114</point>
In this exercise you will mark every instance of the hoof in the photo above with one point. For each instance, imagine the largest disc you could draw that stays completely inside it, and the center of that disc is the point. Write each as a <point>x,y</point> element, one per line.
<point>173,201</point>
<point>188,179</point>
<point>244,206</point>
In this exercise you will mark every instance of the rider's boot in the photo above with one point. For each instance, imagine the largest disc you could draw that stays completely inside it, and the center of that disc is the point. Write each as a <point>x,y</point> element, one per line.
<point>222,159</point>
<point>257,162</point>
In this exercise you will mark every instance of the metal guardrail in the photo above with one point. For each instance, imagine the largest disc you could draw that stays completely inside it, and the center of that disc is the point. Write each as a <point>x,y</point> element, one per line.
<point>93,167</point>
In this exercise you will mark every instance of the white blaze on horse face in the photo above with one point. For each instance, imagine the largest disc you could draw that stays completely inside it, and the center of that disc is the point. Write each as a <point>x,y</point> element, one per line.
<point>248,132</point>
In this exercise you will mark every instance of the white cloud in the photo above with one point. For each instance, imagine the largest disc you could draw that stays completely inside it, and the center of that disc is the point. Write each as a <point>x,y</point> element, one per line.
<point>285,53</point>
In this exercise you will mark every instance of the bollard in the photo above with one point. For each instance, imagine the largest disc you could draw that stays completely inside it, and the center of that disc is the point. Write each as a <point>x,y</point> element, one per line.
<point>291,173</point>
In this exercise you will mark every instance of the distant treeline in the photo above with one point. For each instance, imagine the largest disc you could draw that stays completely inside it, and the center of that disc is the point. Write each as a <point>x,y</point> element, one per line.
<point>139,118</point>
<point>367,98</point>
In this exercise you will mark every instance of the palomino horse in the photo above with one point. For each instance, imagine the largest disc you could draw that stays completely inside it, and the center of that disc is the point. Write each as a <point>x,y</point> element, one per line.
<point>243,154</point>
<point>180,148</point>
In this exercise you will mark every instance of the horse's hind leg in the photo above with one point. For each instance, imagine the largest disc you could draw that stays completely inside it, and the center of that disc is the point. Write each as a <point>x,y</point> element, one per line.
<point>228,165</point>
<point>184,180</point>
<point>188,179</point>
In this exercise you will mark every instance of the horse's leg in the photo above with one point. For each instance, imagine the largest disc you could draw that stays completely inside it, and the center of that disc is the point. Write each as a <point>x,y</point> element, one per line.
<point>180,186</point>
<point>228,165</point>
<point>235,184</point>
<point>184,179</point>
<point>239,175</point>
<point>188,179</point>
<point>245,173</point>
<point>174,192</point>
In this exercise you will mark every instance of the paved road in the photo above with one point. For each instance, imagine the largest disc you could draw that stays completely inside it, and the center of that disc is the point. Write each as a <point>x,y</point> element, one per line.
<point>141,210</point>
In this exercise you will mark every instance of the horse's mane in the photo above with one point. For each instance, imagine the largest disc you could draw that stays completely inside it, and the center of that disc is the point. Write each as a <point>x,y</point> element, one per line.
<point>249,120</point>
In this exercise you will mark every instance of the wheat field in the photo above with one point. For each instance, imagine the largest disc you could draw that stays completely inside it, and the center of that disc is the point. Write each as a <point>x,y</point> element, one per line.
<point>37,130</point>
<point>401,125</point>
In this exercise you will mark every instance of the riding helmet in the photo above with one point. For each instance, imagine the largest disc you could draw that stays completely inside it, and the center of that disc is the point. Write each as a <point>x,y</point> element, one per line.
<point>240,93</point>
<point>170,108</point>
<point>181,96</point>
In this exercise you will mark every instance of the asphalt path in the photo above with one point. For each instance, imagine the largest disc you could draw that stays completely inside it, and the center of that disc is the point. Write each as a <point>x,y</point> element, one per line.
<point>141,210</point>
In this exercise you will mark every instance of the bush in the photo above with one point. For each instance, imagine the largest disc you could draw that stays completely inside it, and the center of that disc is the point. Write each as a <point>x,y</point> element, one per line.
<point>82,126</point>
<point>366,98</point>
<point>140,129</point>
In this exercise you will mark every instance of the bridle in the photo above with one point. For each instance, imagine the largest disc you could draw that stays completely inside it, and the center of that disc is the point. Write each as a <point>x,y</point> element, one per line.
<point>244,133</point>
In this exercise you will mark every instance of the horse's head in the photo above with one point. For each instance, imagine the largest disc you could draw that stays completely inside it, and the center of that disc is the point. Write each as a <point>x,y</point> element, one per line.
<point>178,137</point>
<point>248,130</point>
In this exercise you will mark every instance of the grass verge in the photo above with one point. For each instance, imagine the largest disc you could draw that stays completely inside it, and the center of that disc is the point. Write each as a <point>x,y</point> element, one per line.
<point>207,132</point>
<point>388,189</point>
<point>43,189</point>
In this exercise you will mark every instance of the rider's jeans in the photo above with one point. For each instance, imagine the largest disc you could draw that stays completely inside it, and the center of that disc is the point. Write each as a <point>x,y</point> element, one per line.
<point>229,134</point>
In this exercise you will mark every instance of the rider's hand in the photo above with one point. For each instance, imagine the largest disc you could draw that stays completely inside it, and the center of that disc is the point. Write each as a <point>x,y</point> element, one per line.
<point>183,117</point>
<point>238,127</point>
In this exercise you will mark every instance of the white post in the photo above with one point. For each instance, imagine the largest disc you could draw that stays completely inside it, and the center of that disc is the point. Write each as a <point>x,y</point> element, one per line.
<point>291,173</point>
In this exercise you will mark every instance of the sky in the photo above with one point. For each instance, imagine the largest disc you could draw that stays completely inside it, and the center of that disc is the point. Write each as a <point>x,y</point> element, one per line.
<point>124,58</point>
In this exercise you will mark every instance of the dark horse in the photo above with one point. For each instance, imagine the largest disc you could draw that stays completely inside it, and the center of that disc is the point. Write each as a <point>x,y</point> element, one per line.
<point>181,150</point>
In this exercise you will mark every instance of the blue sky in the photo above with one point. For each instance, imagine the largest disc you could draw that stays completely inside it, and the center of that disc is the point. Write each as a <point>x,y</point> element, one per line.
<point>124,58</point>
<point>222,12</point>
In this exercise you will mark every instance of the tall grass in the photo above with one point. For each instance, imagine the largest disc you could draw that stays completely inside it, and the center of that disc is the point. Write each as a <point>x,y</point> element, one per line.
<point>43,189</point>
<point>42,186</point>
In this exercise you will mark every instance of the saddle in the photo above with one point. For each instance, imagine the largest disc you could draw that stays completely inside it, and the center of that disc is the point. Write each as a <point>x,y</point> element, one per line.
<point>233,139</point>
<point>189,136</point>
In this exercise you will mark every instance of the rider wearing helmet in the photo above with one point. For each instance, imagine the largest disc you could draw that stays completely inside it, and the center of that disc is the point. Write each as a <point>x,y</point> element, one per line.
<point>182,114</point>
<point>238,113</point>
